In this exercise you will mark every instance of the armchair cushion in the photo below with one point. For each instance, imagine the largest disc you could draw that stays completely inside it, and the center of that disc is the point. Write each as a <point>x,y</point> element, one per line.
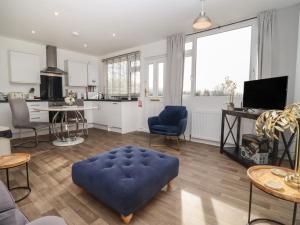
<point>165,129</point>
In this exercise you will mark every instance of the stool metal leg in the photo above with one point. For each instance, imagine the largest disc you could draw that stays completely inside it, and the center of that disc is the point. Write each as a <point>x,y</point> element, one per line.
<point>294,214</point>
<point>7,178</point>
<point>250,203</point>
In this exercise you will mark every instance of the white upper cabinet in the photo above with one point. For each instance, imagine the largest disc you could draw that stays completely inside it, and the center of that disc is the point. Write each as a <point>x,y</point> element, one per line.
<point>93,79</point>
<point>77,73</point>
<point>24,68</point>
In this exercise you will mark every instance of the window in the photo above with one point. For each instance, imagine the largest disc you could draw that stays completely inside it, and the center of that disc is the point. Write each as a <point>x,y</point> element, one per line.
<point>187,78</point>
<point>156,75</point>
<point>123,75</point>
<point>223,55</point>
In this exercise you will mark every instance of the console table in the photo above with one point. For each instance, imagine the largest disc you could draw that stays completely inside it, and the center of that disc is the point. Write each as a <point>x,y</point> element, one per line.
<point>234,152</point>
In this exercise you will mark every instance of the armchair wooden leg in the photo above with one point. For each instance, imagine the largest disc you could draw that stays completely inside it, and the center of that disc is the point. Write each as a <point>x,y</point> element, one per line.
<point>149,139</point>
<point>177,141</point>
<point>127,219</point>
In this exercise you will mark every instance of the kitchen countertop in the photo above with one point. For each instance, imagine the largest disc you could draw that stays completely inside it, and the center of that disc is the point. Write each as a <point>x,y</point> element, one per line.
<point>93,100</point>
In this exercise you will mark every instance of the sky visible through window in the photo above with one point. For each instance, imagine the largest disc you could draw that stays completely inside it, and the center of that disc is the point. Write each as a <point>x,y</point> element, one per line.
<point>223,55</point>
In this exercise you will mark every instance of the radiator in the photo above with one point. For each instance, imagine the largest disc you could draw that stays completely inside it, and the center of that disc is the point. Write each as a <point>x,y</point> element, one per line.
<point>206,125</point>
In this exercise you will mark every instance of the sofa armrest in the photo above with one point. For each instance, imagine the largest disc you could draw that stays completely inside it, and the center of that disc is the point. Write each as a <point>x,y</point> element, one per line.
<point>152,121</point>
<point>6,200</point>
<point>182,126</point>
<point>48,220</point>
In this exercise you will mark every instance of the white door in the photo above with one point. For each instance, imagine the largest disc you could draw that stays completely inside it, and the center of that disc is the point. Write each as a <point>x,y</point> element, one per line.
<point>154,88</point>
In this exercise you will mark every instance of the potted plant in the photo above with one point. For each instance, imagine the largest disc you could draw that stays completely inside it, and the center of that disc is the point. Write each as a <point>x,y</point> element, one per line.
<point>229,88</point>
<point>271,122</point>
<point>70,99</point>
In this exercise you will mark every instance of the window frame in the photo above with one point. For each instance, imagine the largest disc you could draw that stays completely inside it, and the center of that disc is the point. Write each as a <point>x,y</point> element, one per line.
<point>155,61</point>
<point>253,55</point>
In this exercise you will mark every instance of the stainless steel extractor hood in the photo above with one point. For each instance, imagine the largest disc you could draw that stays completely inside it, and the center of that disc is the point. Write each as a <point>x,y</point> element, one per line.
<point>51,58</point>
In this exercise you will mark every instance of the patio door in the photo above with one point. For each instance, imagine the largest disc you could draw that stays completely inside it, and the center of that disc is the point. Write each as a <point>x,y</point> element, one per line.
<point>154,87</point>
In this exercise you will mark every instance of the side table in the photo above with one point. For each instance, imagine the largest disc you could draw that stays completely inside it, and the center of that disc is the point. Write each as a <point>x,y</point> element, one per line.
<point>14,160</point>
<point>259,175</point>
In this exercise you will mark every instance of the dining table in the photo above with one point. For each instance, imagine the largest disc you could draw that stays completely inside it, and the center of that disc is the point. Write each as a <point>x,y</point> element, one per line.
<point>61,125</point>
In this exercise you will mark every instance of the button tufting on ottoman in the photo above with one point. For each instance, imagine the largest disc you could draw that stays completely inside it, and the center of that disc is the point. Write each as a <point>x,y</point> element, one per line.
<point>125,178</point>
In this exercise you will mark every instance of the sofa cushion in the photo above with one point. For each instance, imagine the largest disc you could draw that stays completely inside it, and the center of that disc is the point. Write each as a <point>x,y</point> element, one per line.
<point>48,220</point>
<point>6,200</point>
<point>12,217</point>
<point>125,178</point>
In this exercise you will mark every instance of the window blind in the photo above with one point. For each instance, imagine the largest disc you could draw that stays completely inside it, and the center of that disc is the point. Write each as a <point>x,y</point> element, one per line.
<point>123,75</point>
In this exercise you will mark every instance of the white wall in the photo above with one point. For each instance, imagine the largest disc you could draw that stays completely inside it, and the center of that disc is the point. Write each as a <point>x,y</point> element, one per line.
<point>297,77</point>
<point>285,46</point>
<point>7,44</point>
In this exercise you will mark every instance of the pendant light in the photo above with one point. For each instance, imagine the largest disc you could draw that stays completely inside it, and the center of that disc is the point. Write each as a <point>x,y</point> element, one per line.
<point>202,21</point>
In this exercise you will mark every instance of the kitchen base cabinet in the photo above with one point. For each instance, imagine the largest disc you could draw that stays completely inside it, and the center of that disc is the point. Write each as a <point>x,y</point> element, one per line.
<point>116,116</point>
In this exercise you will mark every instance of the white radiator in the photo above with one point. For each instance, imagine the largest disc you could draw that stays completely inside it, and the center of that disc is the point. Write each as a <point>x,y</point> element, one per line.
<point>206,125</point>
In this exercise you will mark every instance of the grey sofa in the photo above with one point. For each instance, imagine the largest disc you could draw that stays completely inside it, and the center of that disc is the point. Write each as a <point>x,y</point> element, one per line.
<point>10,215</point>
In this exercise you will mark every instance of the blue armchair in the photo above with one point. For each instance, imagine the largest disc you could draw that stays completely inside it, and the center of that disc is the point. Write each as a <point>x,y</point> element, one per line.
<point>170,122</point>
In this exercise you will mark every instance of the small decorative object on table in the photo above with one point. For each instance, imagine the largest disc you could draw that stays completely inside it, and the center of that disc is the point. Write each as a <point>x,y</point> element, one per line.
<point>229,87</point>
<point>270,123</point>
<point>70,99</point>
<point>255,148</point>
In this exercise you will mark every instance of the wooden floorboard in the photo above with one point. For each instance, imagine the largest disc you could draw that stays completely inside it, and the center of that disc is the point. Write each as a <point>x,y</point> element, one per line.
<point>211,189</point>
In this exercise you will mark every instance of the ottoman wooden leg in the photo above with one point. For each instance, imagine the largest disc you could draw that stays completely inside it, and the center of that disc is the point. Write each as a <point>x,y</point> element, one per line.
<point>170,186</point>
<point>127,219</point>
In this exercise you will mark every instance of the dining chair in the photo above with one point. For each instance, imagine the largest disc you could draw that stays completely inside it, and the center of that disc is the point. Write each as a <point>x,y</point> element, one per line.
<point>21,120</point>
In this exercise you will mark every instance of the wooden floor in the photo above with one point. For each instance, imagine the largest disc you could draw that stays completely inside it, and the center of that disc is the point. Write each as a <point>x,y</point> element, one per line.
<point>211,189</point>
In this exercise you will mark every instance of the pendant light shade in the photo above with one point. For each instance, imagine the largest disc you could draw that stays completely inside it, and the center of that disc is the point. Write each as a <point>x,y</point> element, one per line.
<point>202,21</point>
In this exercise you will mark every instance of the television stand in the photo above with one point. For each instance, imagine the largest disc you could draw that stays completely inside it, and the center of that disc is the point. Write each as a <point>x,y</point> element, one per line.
<point>234,152</point>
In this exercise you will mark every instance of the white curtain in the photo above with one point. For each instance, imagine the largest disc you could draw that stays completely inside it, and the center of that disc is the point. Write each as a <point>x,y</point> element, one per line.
<point>175,69</point>
<point>266,27</point>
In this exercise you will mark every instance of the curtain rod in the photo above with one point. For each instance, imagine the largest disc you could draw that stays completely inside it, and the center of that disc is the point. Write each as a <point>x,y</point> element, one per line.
<point>131,53</point>
<point>219,27</point>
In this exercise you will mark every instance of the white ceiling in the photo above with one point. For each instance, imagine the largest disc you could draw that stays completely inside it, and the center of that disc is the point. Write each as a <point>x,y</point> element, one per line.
<point>135,22</point>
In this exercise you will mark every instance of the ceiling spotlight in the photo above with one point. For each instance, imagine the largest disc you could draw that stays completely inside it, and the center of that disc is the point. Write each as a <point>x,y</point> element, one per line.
<point>114,34</point>
<point>202,21</point>
<point>75,33</point>
<point>33,31</point>
<point>85,45</point>
<point>56,13</point>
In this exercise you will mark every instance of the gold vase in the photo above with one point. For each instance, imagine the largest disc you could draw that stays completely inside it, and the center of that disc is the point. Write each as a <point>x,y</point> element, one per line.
<point>293,180</point>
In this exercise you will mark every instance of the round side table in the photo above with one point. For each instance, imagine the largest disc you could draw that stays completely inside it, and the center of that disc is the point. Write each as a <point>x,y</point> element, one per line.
<point>14,160</point>
<point>259,175</point>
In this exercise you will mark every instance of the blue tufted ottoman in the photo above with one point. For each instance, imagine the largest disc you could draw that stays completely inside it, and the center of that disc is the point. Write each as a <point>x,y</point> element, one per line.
<point>125,178</point>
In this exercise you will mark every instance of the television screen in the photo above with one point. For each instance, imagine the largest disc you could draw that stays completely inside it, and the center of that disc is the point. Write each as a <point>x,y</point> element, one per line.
<point>265,93</point>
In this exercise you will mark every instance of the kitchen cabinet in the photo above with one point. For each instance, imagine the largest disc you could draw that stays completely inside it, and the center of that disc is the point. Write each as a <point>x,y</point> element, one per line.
<point>77,73</point>
<point>93,76</point>
<point>116,116</point>
<point>24,68</point>
<point>38,116</point>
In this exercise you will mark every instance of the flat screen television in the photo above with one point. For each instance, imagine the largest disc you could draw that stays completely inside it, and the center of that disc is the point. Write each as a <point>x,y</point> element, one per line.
<point>265,93</point>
